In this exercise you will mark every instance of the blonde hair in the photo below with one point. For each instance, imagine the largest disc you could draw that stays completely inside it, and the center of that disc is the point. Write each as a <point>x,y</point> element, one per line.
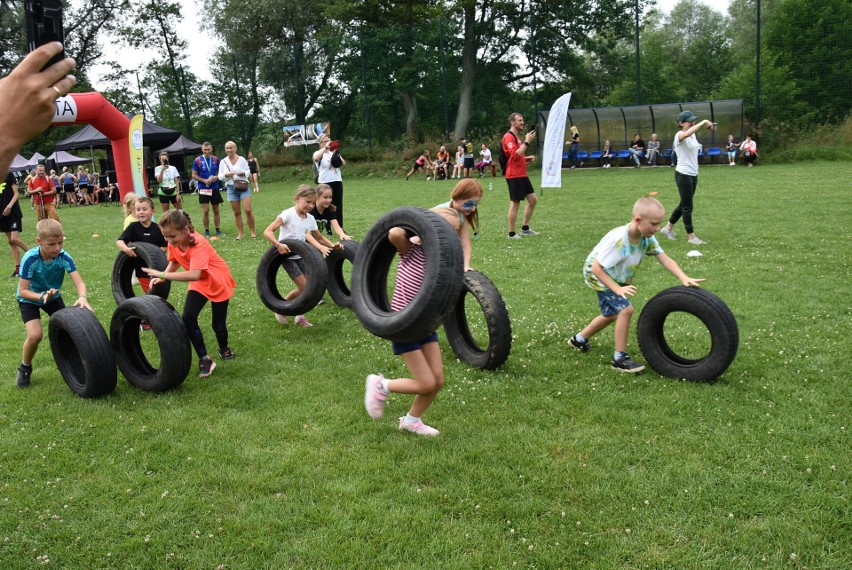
<point>130,203</point>
<point>645,205</point>
<point>574,129</point>
<point>305,191</point>
<point>48,228</point>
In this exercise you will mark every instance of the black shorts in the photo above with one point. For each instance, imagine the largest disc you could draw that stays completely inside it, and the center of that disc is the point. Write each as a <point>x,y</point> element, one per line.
<point>418,166</point>
<point>468,162</point>
<point>216,198</point>
<point>68,188</point>
<point>168,198</point>
<point>31,312</point>
<point>10,224</point>
<point>295,266</point>
<point>519,188</point>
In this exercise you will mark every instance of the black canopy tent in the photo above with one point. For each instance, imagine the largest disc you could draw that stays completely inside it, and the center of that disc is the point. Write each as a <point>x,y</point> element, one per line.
<point>181,146</point>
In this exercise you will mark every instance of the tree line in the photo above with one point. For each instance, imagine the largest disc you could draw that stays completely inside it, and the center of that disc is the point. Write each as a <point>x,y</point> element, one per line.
<point>390,75</point>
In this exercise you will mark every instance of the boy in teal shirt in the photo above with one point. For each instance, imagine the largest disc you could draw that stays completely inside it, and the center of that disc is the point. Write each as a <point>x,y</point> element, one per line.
<point>609,270</point>
<point>42,271</point>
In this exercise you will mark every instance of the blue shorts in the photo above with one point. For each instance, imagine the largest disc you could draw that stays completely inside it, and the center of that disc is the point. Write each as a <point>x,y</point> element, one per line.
<point>611,304</point>
<point>235,195</point>
<point>402,347</point>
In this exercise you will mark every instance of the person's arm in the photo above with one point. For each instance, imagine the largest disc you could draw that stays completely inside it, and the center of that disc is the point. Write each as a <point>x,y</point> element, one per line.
<point>400,240</point>
<point>682,135</point>
<point>26,293</point>
<point>316,239</point>
<point>609,282</point>
<point>464,235</point>
<point>338,229</point>
<point>675,270</point>
<point>320,151</point>
<point>82,300</point>
<point>15,197</point>
<point>269,234</point>
<point>195,175</point>
<point>28,98</point>
<point>224,171</point>
<point>171,273</point>
<point>122,245</point>
<point>522,148</point>
<point>158,173</point>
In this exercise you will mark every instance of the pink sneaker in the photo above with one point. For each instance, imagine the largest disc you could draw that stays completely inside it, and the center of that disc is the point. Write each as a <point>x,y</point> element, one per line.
<point>302,321</point>
<point>419,428</point>
<point>374,399</point>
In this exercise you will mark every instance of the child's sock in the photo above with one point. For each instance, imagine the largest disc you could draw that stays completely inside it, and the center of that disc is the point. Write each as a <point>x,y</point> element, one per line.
<point>618,355</point>
<point>525,228</point>
<point>409,419</point>
<point>26,367</point>
<point>511,234</point>
<point>382,385</point>
<point>579,338</point>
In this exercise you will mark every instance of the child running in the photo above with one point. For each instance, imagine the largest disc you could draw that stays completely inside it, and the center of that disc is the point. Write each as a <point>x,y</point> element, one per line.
<point>609,270</point>
<point>143,229</point>
<point>43,271</point>
<point>11,218</point>
<point>298,224</point>
<point>423,357</point>
<point>209,279</point>
<point>325,213</point>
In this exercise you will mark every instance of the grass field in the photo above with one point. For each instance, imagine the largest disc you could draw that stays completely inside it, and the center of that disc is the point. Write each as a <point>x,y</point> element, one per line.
<point>553,461</point>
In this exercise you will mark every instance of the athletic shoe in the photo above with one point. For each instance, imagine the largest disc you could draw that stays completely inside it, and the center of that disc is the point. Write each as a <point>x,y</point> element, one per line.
<point>282,319</point>
<point>207,233</point>
<point>406,177</point>
<point>374,399</point>
<point>206,366</point>
<point>22,380</point>
<point>516,236</point>
<point>302,321</point>
<point>15,273</point>
<point>581,346</point>
<point>418,427</point>
<point>627,364</point>
<point>696,241</point>
<point>226,353</point>
<point>428,178</point>
<point>219,233</point>
<point>144,326</point>
<point>529,232</point>
<point>668,233</point>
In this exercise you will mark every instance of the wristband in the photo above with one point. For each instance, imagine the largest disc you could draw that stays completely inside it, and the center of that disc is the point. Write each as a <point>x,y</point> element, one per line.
<point>163,275</point>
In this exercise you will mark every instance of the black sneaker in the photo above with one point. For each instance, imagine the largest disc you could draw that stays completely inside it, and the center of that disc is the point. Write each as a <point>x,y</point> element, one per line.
<point>206,367</point>
<point>226,353</point>
<point>581,346</point>
<point>15,273</point>
<point>23,378</point>
<point>627,364</point>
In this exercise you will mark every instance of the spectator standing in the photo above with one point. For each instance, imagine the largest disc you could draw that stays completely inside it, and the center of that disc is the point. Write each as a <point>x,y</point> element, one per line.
<point>520,187</point>
<point>205,171</point>
<point>653,149</point>
<point>43,192</point>
<point>168,178</point>
<point>254,172</point>
<point>10,219</point>
<point>234,171</point>
<point>574,149</point>
<point>468,156</point>
<point>331,166</point>
<point>486,160</point>
<point>83,183</point>
<point>686,148</point>
<point>68,181</point>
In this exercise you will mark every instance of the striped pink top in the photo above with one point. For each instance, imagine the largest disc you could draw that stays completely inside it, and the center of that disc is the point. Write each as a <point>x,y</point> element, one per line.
<point>409,277</point>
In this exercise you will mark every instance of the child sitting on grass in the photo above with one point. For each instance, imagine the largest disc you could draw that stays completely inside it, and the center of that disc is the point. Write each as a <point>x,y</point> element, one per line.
<point>43,270</point>
<point>609,270</point>
<point>422,357</point>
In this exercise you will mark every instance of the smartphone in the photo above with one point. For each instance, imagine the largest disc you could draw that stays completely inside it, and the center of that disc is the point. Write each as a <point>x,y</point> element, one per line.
<point>44,25</point>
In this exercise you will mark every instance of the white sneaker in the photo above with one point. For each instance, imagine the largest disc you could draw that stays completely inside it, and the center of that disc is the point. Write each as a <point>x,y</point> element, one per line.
<point>529,232</point>
<point>516,236</point>
<point>668,233</point>
<point>696,241</point>
<point>418,427</point>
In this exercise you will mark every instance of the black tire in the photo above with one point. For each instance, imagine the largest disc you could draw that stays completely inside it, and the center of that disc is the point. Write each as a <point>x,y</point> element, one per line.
<point>441,284</point>
<point>710,310</point>
<point>338,289</point>
<point>125,266</point>
<point>267,278</point>
<point>172,339</point>
<point>82,352</point>
<point>462,341</point>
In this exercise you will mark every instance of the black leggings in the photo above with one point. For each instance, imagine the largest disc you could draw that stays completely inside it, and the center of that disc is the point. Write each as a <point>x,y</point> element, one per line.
<point>195,301</point>
<point>686,186</point>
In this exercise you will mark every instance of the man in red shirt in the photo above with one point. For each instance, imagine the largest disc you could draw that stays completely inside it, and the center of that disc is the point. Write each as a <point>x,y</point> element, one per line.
<point>43,191</point>
<point>520,187</point>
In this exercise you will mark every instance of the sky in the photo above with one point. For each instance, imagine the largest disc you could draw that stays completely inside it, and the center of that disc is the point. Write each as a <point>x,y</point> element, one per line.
<point>198,44</point>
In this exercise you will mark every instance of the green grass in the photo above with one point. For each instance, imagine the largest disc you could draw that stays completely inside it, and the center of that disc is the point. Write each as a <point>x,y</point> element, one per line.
<point>554,461</point>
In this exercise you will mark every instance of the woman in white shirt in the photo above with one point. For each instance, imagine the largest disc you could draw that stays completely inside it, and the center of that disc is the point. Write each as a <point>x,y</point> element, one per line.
<point>233,172</point>
<point>330,165</point>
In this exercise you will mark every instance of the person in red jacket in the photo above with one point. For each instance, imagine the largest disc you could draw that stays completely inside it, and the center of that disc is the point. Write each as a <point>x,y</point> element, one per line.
<point>520,187</point>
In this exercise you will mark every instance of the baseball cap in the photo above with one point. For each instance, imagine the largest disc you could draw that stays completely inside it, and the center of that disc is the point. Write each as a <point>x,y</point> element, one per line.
<point>686,116</point>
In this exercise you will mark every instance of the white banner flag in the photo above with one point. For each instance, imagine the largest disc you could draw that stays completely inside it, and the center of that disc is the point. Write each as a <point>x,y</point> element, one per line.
<point>554,141</point>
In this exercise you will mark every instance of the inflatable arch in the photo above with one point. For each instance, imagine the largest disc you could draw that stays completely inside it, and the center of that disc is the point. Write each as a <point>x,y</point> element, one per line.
<point>94,109</point>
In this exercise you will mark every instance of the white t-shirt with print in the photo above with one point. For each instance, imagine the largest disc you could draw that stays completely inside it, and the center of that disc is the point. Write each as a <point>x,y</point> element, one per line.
<point>619,257</point>
<point>170,173</point>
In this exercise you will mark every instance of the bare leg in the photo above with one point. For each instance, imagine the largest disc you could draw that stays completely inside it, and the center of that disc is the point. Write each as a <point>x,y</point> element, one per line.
<point>622,327</point>
<point>34,336</point>
<point>238,218</point>
<point>246,203</point>
<point>532,200</point>
<point>205,216</point>
<point>16,244</point>
<point>427,370</point>
<point>216,217</point>
<point>513,215</point>
<point>300,282</point>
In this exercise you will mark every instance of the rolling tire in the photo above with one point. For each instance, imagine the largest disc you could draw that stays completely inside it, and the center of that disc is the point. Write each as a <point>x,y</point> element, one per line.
<point>338,289</point>
<point>82,352</point>
<point>496,316</point>
<point>125,267</point>
<point>172,338</point>
<point>267,278</point>
<point>711,311</point>
<point>441,285</point>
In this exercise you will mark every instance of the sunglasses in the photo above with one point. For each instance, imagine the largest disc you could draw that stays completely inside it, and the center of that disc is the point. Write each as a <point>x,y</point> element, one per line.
<point>468,204</point>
